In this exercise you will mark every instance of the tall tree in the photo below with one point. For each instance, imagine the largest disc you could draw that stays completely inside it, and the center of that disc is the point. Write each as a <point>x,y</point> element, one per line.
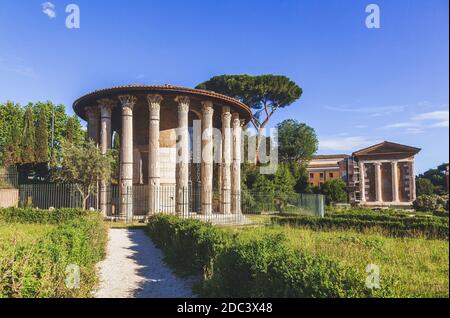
<point>265,94</point>
<point>41,140</point>
<point>27,145</point>
<point>11,124</point>
<point>297,142</point>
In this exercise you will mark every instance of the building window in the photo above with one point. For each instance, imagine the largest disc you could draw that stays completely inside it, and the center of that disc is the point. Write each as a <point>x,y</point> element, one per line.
<point>311,175</point>
<point>321,175</point>
<point>331,174</point>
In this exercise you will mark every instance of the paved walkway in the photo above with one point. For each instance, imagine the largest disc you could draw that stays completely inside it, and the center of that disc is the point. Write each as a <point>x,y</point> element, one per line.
<point>133,267</point>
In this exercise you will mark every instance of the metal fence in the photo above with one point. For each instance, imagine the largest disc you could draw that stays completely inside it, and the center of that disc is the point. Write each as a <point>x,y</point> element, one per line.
<point>9,177</point>
<point>137,198</point>
<point>47,195</point>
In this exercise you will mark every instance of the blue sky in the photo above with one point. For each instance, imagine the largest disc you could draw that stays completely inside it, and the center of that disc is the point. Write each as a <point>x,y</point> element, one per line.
<point>361,85</point>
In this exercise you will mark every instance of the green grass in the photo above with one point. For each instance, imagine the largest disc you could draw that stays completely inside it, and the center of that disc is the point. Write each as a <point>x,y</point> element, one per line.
<point>23,233</point>
<point>417,267</point>
<point>36,246</point>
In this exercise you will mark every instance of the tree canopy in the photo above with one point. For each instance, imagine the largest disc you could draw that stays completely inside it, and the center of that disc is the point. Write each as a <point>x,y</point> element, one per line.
<point>265,94</point>
<point>83,165</point>
<point>297,142</point>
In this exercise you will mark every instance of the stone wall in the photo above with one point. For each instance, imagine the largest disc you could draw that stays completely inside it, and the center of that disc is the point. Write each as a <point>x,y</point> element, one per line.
<point>9,198</point>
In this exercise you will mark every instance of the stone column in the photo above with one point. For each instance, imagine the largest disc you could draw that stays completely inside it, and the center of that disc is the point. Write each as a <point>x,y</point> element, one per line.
<point>395,197</point>
<point>93,121</point>
<point>154,106</point>
<point>106,106</point>
<point>93,116</point>
<point>207,157</point>
<point>182,167</point>
<point>236,166</point>
<point>226,161</point>
<point>378,189</point>
<point>126,157</point>
<point>412,187</point>
<point>362,181</point>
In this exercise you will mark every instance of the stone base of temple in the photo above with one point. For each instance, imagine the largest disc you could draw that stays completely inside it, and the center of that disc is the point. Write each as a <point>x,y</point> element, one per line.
<point>221,219</point>
<point>392,205</point>
<point>215,218</point>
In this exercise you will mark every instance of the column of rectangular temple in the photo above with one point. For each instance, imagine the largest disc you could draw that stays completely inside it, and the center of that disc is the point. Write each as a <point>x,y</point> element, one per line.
<point>226,161</point>
<point>236,165</point>
<point>362,178</point>
<point>378,189</point>
<point>126,155</point>
<point>412,187</point>
<point>207,157</point>
<point>182,167</point>
<point>106,106</point>
<point>394,169</point>
<point>154,107</point>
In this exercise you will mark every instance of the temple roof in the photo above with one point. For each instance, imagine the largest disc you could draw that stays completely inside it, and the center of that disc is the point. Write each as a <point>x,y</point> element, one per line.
<point>90,99</point>
<point>387,148</point>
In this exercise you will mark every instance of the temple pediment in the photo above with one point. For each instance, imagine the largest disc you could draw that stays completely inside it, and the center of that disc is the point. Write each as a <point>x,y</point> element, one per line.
<point>387,149</point>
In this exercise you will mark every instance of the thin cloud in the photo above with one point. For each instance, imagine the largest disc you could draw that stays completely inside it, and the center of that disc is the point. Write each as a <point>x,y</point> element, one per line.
<point>419,123</point>
<point>350,143</point>
<point>48,9</point>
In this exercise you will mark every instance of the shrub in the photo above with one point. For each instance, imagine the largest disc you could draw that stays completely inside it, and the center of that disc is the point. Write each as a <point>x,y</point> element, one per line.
<point>335,191</point>
<point>392,226</point>
<point>38,269</point>
<point>234,266</point>
<point>431,203</point>
<point>424,187</point>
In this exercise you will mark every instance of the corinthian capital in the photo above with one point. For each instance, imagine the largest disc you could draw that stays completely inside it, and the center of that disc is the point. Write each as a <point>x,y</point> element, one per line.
<point>106,105</point>
<point>236,120</point>
<point>183,103</point>
<point>128,101</point>
<point>207,107</point>
<point>154,101</point>
<point>92,111</point>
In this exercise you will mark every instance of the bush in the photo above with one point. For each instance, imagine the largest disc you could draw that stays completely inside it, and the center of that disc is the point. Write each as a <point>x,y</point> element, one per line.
<point>335,191</point>
<point>263,266</point>
<point>396,226</point>
<point>431,203</point>
<point>424,187</point>
<point>38,269</point>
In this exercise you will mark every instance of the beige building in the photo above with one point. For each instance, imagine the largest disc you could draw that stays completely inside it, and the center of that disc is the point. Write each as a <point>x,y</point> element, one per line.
<point>164,166</point>
<point>323,168</point>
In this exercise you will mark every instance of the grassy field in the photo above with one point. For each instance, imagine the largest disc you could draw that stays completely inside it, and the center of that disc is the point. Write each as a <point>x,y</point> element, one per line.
<point>37,246</point>
<point>23,233</point>
<point>417,267</point>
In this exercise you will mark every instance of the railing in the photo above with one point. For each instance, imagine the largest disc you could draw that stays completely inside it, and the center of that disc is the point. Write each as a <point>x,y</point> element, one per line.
<point>9,177</point>
<point>136,200</point>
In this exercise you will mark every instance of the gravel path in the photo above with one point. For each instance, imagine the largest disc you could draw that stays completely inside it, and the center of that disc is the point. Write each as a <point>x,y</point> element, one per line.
<point>133,267</point>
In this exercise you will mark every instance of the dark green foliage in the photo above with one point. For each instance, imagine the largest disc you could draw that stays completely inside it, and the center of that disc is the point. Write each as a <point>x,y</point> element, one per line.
<point>27,145</point>
<point>233,266</point>
<point>41,138</point>
<point>437,178</point>
<point>297,142</point>
<point>264,94</point>
<point>335,191</point>
<point>38,269</point>
<point>396,224</point>
<point>424,187</point>
<point>431,202</point>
